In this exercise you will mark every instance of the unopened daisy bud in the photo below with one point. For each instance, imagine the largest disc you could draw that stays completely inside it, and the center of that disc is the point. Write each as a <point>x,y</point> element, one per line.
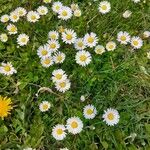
<point>74,7</point>
<point>64,149</point>
<point>61,29</point>
<point>146,34</point>
<point>127,14</point>
<point>3,37</point>
<point>82,98</point>
<point>148,55</point>
<point>77,13</point>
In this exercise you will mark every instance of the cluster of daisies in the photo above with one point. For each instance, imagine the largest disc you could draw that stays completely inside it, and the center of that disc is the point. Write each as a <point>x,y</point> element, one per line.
<point>65,12</point>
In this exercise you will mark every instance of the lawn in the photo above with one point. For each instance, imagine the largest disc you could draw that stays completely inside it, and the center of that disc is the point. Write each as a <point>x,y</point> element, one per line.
<point>118,79</point>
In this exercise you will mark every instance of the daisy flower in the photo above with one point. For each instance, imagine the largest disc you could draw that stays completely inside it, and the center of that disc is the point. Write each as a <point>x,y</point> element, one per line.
<point>69,36</point>
<point>42,10</point>
<point>47,61</point>
<point>111,116</point>
<point>77,13</point>
<point>58,132</point>
<point>104,7</point>
<point>65,13</point>
<point>79,44</point>
<point>43,51</point>
<point>53,45</point>
<point>57,6</point>
<point>23,39</point>
<point>136,42</point>
<point>64,149</point>
<point>12,29</point>
<point>21,11</point>
<point>53,35</point>
<point>82,98</point>
<point>123,37</point>
<point>4,18</point>
<point>110,46</point>
<point>33,16</point>
<point>90,40</point>
<point>136,1</point>
<point>74,125</point>
<point>14,17</point>
<point>63,86</point>
<point>7,69</point>
<point>29,148</point>
<point>47,1</point>
<point>3,37</point>
<point>83,58</point>
<point>127,14</point>
<point>89,112</point>
<point>74,7</point>
<point>146,34</point>
<point>44,106</point>
<point>59,57</point>
<point>6,106</point>
<point>99,49</point>
<point>59,75</point>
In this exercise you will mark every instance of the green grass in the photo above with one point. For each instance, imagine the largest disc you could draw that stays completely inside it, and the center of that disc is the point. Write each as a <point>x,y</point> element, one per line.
<point>118,79</point>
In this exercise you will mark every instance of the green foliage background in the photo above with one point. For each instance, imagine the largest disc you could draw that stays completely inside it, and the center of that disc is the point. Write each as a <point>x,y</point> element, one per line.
<point>119,79</point>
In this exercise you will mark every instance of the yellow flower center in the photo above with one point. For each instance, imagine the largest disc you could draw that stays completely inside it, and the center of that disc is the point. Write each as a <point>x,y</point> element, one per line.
<point>23,40</point>
<point>15,17</point>
<point>5,106</point>
<point>68,36</point>
<point>47,61</point>
<point>123,38</point>
<point>44,52</point>
<point>13,29</point>
<point>111,46</point>
<point>53,36</point>
<point>64,13</point>
<point>110,116</point>
<point>90,39</point>
<point>135,43</point>
<point>7,68</point>
<point>58,76</point>
<point>89,111</point>
<point>45,106</point>
<point>83,58</point>
<point>6,19</point>
<point>62,84</point>
<point>33,17</point>
<point>53,45</point>
<point>57,7</point>
<point>104,7</point>
<point>80,44</point>
<point>59,58</point>
<point>59,131</point>
<point>20,12</point>
<point>43,11</point>
<point>74,124</point>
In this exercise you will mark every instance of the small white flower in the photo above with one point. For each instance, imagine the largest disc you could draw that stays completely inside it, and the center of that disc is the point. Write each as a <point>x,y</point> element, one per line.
<point>57,6</point>
<point>43,51</point>
<point>111,116</point>
<point>63,86</point>
<point>4,18</point>
<point>42,10</point>
<point>83,58</point>
<point>65,13</point>
<point>64,149</point>
<point>136,42</point>
<point>74,125</point>
<point>90,40</point>
<point>111,46</point>
<point>12,29</point>
<point>53,45</point>
<point>89,112</point>
<point>146,34</point>
<point>47,61</point>
<point>148,55</point>
<point>104,7</point>
<point>99,49</point>
<point>59,57</point>
<point>74,6</point>
<point>47,1</point>
<point>3,37</point>
<point>136,1</point>
<point>53,35</point>
<point>127,14</point>
<point>77,13</point>
<point>33,16</point>
<point>23,39</point>
<point>82,98</point>
<point>21,11</point>
<point>7,69</point>
<point>79,44</point>
<point>14,17</point>
<point>58,75</point>
<point>58,132</point>
<point>123,37</point>
<point>69,36</point>
<point>44,106</point>
<point>29,148</point>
